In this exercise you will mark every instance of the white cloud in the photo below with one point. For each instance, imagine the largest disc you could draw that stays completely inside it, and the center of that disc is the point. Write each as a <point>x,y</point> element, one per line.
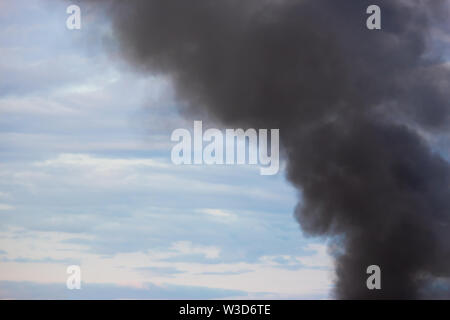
<point>320,258</point>
<point>216,212</point>
<point>219,214</point>
<point>5,207</point>
<point>139,173</point>
<point>186,248</point>
<point>85,160</point>
<point>5,195</point>
<point>262,279</point>
<point>34,105</point>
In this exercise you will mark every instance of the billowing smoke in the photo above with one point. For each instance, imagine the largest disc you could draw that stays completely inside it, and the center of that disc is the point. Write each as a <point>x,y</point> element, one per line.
<point>353,106</point>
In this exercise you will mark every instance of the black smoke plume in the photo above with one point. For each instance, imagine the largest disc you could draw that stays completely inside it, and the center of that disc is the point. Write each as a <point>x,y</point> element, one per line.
<point>353,106</point>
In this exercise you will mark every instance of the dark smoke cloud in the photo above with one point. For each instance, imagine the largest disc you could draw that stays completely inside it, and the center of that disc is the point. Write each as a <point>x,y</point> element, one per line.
<point>352,106</point>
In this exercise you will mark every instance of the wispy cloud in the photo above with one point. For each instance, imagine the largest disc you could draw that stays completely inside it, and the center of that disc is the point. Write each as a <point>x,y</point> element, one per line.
<point>5,207</point>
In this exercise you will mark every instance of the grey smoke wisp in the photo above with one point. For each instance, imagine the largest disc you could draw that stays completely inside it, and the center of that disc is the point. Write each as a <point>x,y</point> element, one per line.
<point>353,107</point>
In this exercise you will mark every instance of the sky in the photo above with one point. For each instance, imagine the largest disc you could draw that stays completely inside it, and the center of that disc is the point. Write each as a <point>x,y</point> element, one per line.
<point>86,179</point>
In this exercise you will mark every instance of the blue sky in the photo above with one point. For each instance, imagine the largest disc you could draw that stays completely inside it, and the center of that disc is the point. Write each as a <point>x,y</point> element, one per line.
<point>86,179</point>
